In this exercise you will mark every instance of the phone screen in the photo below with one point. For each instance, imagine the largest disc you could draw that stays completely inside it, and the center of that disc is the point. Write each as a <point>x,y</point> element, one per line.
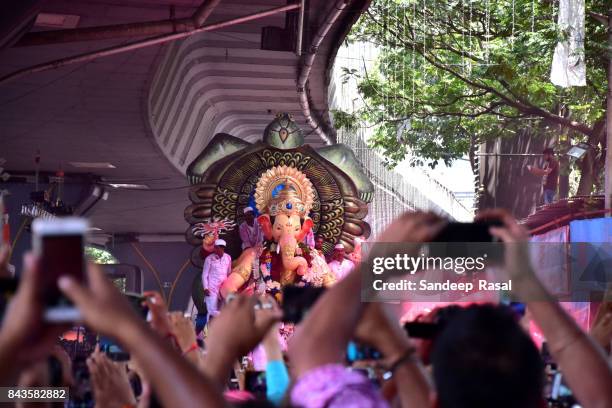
<point>113,350</point>
<point>136,301</point>
<point>255,382</point>
<point>298,300</point>
<point>61,255</point>
<point>8,287</point>
<point>468,232</point>
<point>421,330</point>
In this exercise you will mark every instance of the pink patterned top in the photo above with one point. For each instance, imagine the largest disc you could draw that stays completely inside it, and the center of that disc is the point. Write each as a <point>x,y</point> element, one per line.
<point>332,386</point>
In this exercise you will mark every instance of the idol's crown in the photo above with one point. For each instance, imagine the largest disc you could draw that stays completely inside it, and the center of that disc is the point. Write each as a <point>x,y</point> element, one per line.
<point>287,202</point>
<point>284,190</point>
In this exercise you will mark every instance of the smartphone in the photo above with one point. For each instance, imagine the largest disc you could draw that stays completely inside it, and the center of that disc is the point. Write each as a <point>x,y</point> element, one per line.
<point>59,244</point>
<point>518,308</point>
<point>461,240</point>
<point>255,382</point>
<point>422,330</point>
<point>468,232</point>
<point>8,288</point>
<point>138,304</point>
<point>112,349</point>
<point>297,300</point>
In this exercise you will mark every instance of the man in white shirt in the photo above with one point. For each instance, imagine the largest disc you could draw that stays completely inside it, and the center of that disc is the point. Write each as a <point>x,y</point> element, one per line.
<point>339,265</point>
<point>217,266</point>
<point>250,231</point>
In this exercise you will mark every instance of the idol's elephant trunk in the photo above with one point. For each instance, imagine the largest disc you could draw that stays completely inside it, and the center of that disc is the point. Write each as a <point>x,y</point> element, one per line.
<point>288,245</point>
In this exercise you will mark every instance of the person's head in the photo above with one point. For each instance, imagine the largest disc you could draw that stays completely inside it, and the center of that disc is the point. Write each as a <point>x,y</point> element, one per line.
<point>548,153</point>
<point>319,243</point>
<point>482,358</point>
<point>339,252</point>
<point>220,247</point>
<point>249,215</point>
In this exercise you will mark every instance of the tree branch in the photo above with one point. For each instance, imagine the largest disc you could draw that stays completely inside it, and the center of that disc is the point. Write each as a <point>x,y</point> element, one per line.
<point>599,18</point>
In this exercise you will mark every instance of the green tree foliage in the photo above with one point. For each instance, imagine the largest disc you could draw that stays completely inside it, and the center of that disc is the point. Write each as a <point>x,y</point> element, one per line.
<point>452,73</point>
<point>99,256</point>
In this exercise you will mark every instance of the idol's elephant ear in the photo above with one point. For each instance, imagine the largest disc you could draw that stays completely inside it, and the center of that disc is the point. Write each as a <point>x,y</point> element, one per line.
<point>266,225</point>
<point>221,145</point>
<point>306,227</point>
<point>344,158</point>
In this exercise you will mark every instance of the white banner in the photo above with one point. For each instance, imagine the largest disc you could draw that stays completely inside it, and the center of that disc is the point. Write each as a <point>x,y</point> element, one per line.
<point>568,65</point>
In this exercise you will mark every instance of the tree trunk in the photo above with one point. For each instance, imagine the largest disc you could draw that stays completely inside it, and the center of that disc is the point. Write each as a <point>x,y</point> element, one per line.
<point>585,187</point>
<point>564,171</point>
<point>588,164</point>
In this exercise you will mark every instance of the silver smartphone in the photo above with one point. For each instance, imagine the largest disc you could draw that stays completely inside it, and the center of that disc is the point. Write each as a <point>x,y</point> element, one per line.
<point>59,244</point>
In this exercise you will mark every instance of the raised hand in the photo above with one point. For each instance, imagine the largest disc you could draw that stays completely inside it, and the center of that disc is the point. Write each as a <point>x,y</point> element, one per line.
<point>103,307</point>
<point>515,238</point>
<point>159,312</point>
<point>601,331</point>
<point>183,330</point>
<point>379,329</point>
<point>240,326</point>
<point>176,382</point>
<point>5,254</point>
<point>110,383</point>
<point>25,337</point>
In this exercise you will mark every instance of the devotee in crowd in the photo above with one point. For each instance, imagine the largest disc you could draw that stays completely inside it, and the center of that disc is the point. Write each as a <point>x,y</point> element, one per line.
<point>251,234</point>
<point>549,173</point>
<point>340,265</point>
<point>217,267</point>
<point>309,239</point>
<point>480,356</point>
<point>318,246</point>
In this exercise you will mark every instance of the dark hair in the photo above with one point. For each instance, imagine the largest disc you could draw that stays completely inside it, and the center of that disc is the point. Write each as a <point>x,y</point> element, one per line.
<point>483,358</point>
<point>548,150</point>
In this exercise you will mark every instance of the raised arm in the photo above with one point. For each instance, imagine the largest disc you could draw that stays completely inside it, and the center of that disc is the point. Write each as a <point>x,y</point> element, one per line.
<point>25,338</point>
<point>177,382</point>
<point>323,336</point>
<point>538,171</point>
<point>240,326</point>
<point>380,329</point>
<point>583,363</point>
<point>277,376</point>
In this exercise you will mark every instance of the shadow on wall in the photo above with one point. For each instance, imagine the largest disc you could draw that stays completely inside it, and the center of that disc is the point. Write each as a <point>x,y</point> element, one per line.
<point>507,182</point>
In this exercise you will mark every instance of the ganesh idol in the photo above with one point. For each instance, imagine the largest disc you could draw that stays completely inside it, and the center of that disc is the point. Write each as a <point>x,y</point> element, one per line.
<point>283,196</point>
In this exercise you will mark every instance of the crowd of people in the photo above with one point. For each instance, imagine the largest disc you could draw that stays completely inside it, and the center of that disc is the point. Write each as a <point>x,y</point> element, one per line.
<point>480,356</point>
